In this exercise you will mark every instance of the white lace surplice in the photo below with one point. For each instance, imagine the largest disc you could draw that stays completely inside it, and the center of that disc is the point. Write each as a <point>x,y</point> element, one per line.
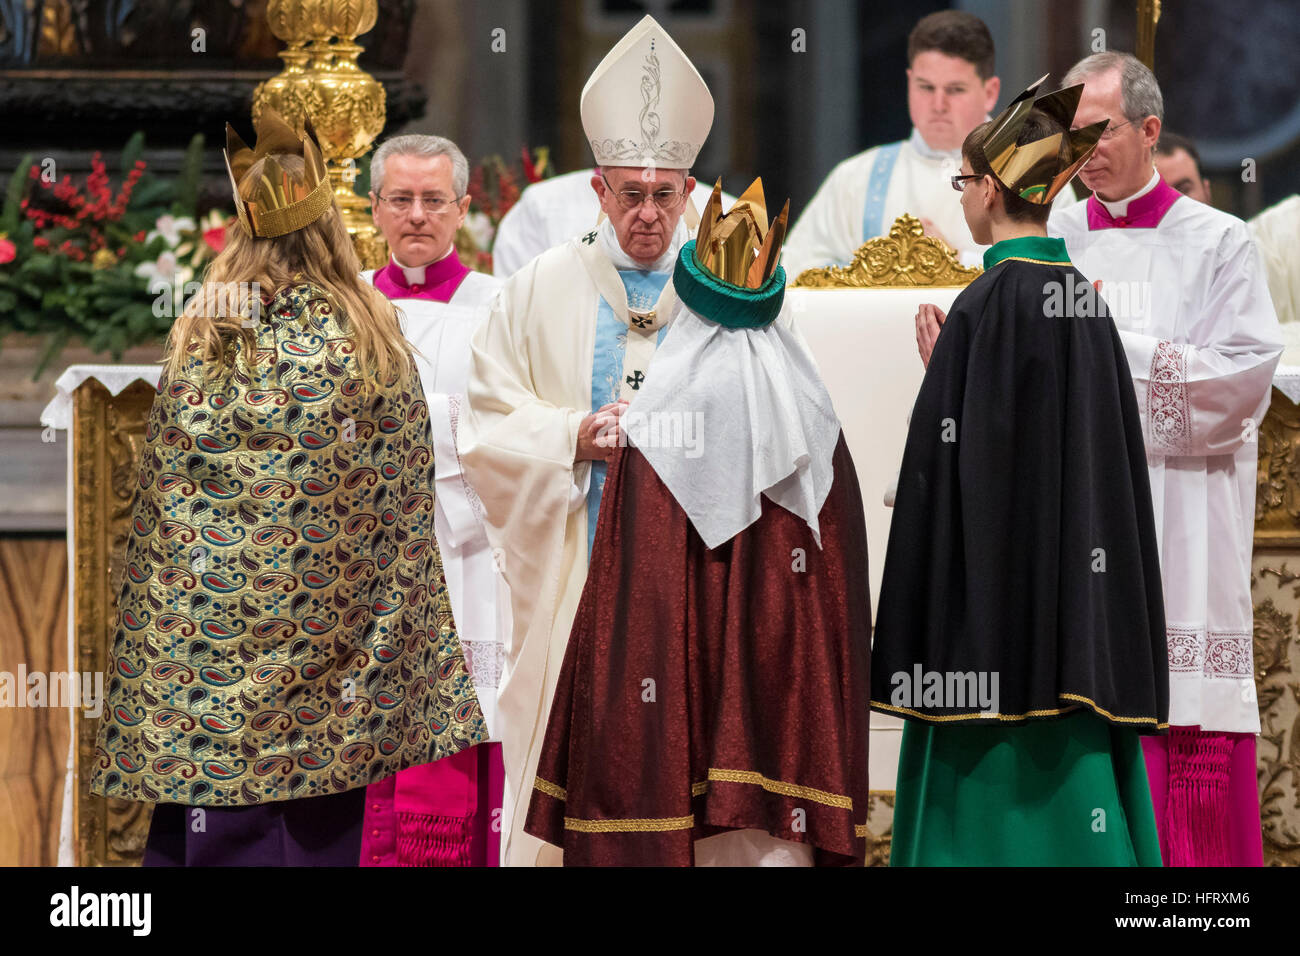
<point>1190,299</point>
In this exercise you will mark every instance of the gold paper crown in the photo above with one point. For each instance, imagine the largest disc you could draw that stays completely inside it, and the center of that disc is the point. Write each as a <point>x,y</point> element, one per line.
<point>279,205</point>
<point>1037,171</point>
<point>739,247</point>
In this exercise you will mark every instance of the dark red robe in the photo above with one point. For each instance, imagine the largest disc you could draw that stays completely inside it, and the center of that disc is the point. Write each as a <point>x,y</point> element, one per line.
<point>705,691</point>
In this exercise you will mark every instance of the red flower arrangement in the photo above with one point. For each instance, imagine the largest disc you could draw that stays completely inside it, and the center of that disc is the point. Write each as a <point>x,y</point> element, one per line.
<point>87,213</point>
<point>493,188</point>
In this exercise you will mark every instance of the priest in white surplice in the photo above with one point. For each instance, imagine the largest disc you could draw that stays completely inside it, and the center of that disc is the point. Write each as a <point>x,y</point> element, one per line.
<point>445,813</point>
<point>573,332</point>
<point>1187,290</point>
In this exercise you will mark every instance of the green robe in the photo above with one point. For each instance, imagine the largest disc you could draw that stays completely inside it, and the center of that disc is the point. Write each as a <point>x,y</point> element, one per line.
<point>1071,791</point>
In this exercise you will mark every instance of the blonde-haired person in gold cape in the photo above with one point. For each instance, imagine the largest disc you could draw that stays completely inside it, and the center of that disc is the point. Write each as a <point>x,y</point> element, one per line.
<point>284,635</point>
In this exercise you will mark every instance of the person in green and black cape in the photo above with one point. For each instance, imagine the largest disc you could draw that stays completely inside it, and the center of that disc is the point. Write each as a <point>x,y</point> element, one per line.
<point>1020,630</point>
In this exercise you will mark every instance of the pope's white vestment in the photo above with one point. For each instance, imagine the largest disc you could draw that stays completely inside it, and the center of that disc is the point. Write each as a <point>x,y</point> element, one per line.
<point>560,341</point>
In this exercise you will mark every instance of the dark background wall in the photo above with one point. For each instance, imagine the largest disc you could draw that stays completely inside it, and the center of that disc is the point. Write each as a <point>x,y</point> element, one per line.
<point>79,75</point>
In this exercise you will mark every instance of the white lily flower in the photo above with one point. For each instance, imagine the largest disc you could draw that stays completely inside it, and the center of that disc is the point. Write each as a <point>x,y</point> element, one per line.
<point>164,272</point>
<point>170,228</point>
<point>480,229</point>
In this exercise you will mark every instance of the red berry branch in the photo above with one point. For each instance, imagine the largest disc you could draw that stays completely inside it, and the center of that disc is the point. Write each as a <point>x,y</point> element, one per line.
<point>85,212</point>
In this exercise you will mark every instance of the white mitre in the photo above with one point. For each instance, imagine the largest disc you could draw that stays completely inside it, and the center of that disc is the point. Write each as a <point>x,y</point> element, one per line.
<point>646,104</point>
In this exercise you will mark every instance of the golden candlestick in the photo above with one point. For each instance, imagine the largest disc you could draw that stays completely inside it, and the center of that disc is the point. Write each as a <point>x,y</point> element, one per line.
<point>1148,15</point>
<point>321,80</point>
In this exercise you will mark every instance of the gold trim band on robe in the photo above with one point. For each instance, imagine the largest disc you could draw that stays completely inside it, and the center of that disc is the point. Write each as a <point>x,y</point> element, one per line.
<point>662,824</point>
<point>550,789</point>
<point>631,825</point>
<point>779,786</point>
<point>753,777</point>
<point>1038,262</point>
<point>732,776</point>
<point>980,715</point>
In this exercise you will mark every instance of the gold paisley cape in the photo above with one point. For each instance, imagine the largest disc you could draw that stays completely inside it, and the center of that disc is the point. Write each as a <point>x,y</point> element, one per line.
<point>283,628</point>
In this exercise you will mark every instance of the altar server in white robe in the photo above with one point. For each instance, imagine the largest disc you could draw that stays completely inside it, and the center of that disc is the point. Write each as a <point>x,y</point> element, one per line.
<point>553,211</point>
<point>1187,290</point>
<point>951,89</point>
<point>1277,233</point>
<point>445,813</point>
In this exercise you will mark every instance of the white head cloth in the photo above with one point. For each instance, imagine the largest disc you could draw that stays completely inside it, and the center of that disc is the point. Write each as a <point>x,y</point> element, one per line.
<point>731,415</point>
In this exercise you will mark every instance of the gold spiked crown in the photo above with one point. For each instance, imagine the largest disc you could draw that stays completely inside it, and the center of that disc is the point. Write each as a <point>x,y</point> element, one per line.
<point>1038,170</point>
<point>739,248</point>
<point>279,205</point>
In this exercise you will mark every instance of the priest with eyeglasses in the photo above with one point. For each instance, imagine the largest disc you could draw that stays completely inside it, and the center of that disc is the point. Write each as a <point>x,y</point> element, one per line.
<point>444,813</point>
<point>571,339</point>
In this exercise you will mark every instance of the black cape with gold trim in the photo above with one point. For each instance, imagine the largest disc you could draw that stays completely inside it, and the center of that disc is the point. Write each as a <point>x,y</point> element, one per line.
<point>1023,544</point>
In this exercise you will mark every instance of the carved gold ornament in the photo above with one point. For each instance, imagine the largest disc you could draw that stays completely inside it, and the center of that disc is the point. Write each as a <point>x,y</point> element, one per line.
<point>1277,483</point>
<point>107,434</point>
<point>346,105</point>
<point>1275,595</point>
<point>905,259</point>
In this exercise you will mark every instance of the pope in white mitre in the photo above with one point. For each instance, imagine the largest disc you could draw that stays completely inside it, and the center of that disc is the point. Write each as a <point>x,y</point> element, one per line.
<point>571,339</point>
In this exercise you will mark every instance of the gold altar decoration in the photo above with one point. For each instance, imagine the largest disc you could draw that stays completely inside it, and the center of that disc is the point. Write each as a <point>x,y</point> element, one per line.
<point>880,827</point>
<point>1275,595</point>
<point>1277,484</point>
<point>1148,15</point>
<point>1275,592</point>
<point>322,81</point>
<point>905,259</point>
<point>107,435</point>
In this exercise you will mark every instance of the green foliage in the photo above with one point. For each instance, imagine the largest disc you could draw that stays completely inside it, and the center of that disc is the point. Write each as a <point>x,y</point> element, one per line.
<point>14,195</point>
<point>187,185</point>
<point>101,302</point>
